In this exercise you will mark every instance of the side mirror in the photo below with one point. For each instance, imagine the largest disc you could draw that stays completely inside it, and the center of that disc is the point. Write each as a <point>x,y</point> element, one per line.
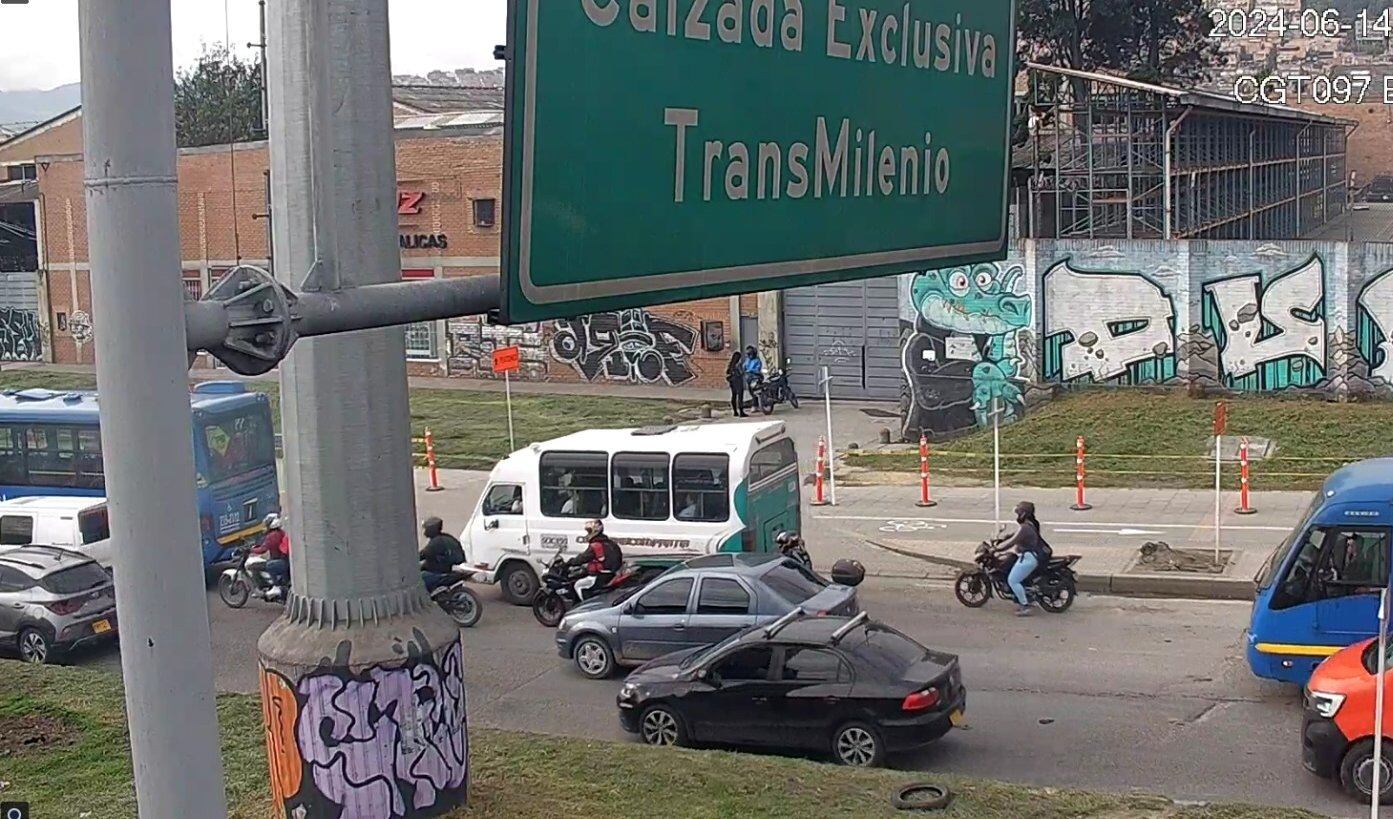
<point>707,677</point>
<point>627,609</point>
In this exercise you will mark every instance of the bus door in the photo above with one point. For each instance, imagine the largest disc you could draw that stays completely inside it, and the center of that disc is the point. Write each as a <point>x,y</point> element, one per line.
<point>1334,580</point>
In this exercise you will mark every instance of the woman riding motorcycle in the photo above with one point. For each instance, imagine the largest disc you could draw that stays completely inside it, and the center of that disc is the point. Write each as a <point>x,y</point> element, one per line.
<point>1031,552</point>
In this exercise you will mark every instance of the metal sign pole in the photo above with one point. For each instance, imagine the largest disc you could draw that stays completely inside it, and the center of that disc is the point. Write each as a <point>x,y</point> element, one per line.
<point>831,448</point>
<point>996,462</point>
<point>508,394</point>
<point>1379,690</point>
<point>1218,462</point>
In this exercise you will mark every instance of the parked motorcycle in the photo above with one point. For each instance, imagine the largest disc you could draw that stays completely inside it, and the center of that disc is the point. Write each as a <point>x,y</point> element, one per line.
<point>455,598</point>
<point>772,390</point>
<point>1054,585</point>
<point>248,578</point>
<point>558,592</point>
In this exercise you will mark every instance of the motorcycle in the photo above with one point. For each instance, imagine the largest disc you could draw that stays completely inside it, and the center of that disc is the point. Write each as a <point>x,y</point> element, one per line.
<point>248,578</point>
<point>558,592</point>
<point>1054,585</point>
<point>772,390</point>
<point>455,598</point>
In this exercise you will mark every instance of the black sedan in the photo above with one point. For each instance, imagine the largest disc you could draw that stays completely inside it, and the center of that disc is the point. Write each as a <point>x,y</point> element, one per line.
<point>856,688</point>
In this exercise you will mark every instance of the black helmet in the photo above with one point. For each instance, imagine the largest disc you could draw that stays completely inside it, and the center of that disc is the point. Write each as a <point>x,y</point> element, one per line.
<point>432,526</point>
<point>785,538</point>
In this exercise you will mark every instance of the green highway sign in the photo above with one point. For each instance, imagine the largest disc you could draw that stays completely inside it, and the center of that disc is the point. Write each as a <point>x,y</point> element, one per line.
<point>666,150</point>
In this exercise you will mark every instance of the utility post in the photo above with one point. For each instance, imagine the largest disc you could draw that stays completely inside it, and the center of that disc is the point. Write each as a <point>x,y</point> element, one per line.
<point>142,375</point>
<point>362,677</point>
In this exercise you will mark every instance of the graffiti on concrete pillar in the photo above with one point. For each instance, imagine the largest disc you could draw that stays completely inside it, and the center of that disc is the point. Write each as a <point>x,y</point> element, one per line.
<point>387,742</point>
<point>1114,328</point>
<point>628,345</point>
<point>1270,336</point>
<point>20,336</point>
<point>1374,326</point>
<point>472,341</point>
<point>962,355</point>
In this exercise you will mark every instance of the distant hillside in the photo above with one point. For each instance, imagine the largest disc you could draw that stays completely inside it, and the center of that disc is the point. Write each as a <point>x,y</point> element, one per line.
<point>36,106</point>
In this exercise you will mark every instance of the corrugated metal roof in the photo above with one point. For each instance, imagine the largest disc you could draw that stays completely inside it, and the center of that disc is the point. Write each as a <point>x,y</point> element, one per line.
<point>441,99</point>
<point>473,121</point>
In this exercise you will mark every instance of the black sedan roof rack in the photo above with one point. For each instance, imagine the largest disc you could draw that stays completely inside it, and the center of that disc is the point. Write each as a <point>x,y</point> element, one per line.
<point>774,627</point>
<point>851,624</point>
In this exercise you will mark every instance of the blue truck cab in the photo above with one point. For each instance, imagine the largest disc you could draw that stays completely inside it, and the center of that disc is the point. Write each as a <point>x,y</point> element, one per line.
<point>1319,591</point>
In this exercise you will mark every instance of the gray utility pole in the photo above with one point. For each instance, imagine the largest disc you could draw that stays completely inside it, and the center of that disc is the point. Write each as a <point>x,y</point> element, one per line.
<point>363,662</point>
<point>142,376</point>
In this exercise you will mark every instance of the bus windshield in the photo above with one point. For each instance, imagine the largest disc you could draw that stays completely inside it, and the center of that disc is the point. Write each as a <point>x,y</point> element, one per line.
<point>1279,555</point>
<point>238,443</point>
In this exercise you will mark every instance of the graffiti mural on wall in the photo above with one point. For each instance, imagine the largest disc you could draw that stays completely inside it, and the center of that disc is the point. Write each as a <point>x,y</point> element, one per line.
<point>1270,335</point>
<point>389,742</point>
<point>964,350</point>
<point>1126,336</point>
<point>1374,327</point>
<point>473,340</point>
<point>20,336</point>
<point>628,345</point>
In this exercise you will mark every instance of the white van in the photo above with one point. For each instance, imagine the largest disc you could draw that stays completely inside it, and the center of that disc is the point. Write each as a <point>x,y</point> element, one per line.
<point>66,521</point>
<point>665,494</point>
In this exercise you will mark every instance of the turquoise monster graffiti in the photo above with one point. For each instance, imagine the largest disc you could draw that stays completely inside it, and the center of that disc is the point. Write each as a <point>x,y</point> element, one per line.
<point>964,354</point>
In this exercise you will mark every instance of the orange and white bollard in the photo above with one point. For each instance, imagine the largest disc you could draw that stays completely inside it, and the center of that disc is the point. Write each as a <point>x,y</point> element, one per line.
<point>819,499</point>
<point>924,498</point>
<point>1080,505</point>
<point>1244,508</point>
<point>430,464</point>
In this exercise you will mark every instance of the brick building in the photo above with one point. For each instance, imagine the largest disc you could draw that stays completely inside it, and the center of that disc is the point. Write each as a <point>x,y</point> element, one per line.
<point>449,148</point>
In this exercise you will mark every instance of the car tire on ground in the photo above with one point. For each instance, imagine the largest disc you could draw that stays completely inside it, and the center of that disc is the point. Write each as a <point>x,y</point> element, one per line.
<point>1357,768</point>
<point>519,584</point>
<point>594,657</point>
<point>921,796</point>
<point>661,725</point>
<point>858,745</point>
<point>35,647</point>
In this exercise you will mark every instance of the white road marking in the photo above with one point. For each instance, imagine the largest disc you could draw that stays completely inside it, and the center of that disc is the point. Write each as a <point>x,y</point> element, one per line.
<point>1123,532</point>
<point>1229,528</point>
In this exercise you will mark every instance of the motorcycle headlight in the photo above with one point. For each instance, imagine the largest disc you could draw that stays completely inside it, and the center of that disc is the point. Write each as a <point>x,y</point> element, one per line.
<point>1326,704</point>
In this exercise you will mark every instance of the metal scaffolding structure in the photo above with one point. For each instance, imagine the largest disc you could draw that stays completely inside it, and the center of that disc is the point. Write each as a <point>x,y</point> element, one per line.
<point>1113,158</point>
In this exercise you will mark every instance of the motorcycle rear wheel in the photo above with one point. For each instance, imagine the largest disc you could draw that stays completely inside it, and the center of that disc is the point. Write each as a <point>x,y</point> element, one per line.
<point>463,607</point>
<point>1057,594</point>
<point>972,589</point>
<point>549,608</point>
<point>234,591</point>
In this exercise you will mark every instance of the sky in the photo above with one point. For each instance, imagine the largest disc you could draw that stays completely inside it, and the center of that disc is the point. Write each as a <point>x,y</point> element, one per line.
<point>40,39</point>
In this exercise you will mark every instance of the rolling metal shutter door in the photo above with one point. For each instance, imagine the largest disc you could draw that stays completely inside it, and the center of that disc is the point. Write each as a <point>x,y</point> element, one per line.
<point>853,329</point>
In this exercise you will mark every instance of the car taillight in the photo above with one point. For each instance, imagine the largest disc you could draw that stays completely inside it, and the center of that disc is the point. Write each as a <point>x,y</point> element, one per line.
<point>920,700</point>
<point>63,607</point>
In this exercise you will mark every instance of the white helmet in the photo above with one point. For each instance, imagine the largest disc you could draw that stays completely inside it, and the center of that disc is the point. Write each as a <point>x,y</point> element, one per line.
<point>272,521</point>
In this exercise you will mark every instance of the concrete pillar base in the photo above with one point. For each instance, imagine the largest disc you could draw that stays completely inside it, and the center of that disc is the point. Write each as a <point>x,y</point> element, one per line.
<point>381,704</point>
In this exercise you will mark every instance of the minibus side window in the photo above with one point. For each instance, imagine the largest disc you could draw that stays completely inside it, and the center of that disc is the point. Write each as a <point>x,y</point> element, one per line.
<point>701,488</point>
<point>1334,562</point>
<point>639,484</point>
<point>574,484</point>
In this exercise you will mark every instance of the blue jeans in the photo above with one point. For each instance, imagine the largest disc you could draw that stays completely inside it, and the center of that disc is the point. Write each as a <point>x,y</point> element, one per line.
<point>1025,564</point>
<point>434,580</point>
<point>279,571</point>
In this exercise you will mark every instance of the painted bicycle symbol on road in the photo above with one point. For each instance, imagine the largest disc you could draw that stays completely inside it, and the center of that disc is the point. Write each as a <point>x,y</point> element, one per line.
<point>902,526</point>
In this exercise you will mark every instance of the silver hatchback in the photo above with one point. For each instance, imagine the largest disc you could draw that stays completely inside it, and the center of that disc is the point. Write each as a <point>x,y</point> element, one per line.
<point>700,602</point>
<point>53,600</point>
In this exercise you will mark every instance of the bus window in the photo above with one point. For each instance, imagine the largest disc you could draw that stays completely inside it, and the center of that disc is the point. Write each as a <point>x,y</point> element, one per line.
<point>701,488</point>
<point>237,444</point>
<point>1335,562</point>
<point>16,530</point>
<point>12,471</point>
<point>51,455</point>
<point>574,484</point>
<point>772,460</point>
<point>94,525</point>
<point>639,485</point>
<point>90,474</point>
<point>1280,554</point>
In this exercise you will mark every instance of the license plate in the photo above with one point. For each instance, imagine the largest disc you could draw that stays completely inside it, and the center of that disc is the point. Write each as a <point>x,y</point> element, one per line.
<point>101,627</point>
<point>957,719</point>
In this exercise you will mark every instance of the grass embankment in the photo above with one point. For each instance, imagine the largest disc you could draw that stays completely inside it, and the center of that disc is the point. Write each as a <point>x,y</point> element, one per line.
<point>1138,439</point>
<point>518,776</point>
<point>470,427</point>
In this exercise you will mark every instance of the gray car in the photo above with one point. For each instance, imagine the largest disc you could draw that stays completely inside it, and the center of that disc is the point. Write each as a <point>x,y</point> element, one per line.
<point>702,601</point>
<point>53,600</point>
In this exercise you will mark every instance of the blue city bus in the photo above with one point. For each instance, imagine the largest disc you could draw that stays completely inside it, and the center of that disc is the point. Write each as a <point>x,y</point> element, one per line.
<point>1319,591</point>
<point>50,444</point>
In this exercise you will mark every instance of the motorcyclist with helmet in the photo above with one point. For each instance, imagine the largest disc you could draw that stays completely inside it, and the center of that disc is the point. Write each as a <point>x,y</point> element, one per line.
<point>442,553</point>
<point>601,559</point>
<point>791,545</point>
<point>275,544</point>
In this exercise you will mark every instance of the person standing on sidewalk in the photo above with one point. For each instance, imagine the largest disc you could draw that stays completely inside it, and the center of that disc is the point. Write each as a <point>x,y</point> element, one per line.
<point>1031,551</point>
<point>735,377</point>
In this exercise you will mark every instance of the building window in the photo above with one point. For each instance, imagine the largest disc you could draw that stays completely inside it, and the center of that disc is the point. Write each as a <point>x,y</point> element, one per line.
<point>193,285</point>
<point>484,212</point>
<point>14,173</point>
<point>420,340</point>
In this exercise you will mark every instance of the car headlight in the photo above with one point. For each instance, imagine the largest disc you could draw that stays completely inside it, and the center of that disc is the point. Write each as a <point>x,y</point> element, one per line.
<point>1326,704</point>
<point>628,691</point>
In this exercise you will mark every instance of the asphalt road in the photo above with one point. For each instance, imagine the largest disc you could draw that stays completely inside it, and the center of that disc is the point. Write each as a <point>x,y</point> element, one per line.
<point>1116,694</point>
